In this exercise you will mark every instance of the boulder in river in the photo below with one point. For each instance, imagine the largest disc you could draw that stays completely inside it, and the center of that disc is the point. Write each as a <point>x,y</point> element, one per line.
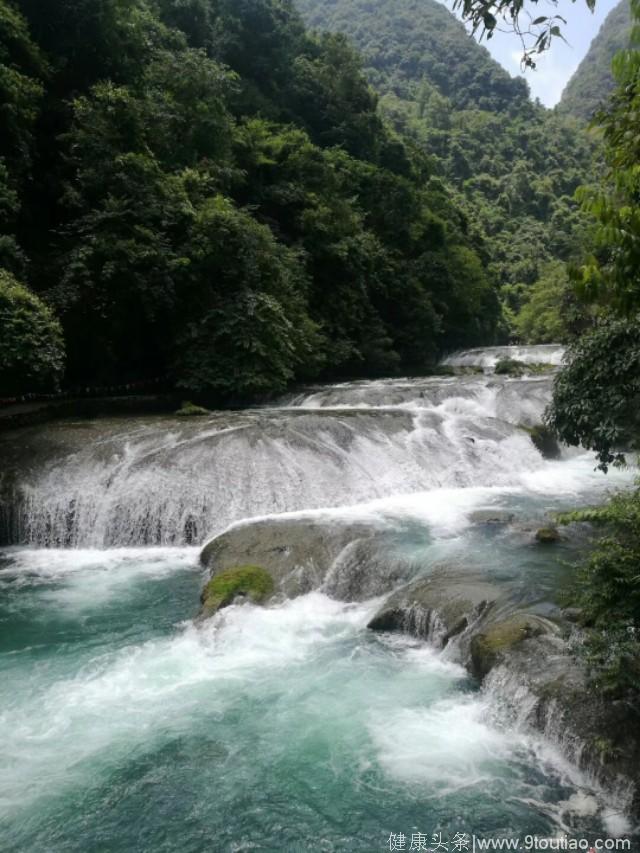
<point>495,642</point>
<point>348,559</point>
<point>548,535</point>
<point>241,582</point>
<point>437,607</point>
<point>530,664</point>
<point>492,517</point>
<point>544,439</point>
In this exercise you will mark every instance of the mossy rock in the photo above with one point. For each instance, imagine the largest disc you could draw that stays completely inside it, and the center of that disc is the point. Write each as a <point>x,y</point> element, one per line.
<point>190,410</point>
<point>548,535</point>
<point>438,607</point>
<point>544,441</point>
<point>509,367</point>
<point>492,517</point>
<point>252,582</point>
<point>541,368</point>
<point>497,640</point>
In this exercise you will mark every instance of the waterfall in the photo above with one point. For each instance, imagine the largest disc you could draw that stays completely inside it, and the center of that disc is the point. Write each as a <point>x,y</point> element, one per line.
<point>165,481</point>
<point>487,357</point>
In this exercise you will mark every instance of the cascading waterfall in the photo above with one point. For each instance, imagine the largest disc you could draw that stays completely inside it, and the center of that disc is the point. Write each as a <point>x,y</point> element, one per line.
<point>169,483</point>
<point>487,357</point>
<point>126,725</point>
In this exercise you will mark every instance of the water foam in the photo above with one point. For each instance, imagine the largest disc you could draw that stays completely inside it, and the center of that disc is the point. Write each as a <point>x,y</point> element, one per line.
<point>166,483</point>
<point>83,580</point>
<point>488,357</point>
<point>118,700</point>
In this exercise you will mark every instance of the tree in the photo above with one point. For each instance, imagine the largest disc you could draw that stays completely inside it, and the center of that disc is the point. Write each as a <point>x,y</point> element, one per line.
<point>244,328</point>
<point>205,191</point>
<point>596,395</point>
<point>21,90</point>
<point>607,593</point>
<point>611,275</point>
<point>31,344</point>
<point>142,157</point>
<point>542,317</point>
<point>510,165</point>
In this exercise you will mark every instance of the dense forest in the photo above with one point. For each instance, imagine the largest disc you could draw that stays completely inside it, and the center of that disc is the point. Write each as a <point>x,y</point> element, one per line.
<point>205,192</point>
<point>593,82</point>
<point>225,198</point>
<point>514,165</point>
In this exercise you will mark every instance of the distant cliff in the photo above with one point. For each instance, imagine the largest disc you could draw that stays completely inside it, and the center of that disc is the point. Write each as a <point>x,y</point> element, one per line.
<point>593,81</point>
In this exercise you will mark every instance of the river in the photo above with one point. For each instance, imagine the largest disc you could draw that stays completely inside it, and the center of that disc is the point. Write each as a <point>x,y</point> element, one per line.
<point>125,725</point>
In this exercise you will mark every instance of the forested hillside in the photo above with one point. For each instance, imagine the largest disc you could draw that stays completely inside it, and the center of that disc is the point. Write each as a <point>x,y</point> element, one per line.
<point>408,41</point>
<point>593,82</point>
<point>515,166</point>
<point>206,193</point>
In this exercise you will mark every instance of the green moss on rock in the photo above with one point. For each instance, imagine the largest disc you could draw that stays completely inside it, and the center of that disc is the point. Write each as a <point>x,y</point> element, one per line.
<point>490,646</point>
<point>190,410</point>
<point>509,367</point>
<point>252,582</point>
<point>548,535</point>
<point>541,368</point>
<point>545,441</point>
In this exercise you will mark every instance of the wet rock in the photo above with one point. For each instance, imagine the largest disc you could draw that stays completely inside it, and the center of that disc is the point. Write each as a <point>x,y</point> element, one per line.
<point>572,614</point>
<point>366,568</point>
<point>190,410</point>
<point>438,607</point>
<point>349,560</point>
<point>509,367</point>
<point>491,517</point>
<point>548,535</point>
<point>497,640</point>
<point>545,441</point>
<point>246,583</point>
<point>531,664</point>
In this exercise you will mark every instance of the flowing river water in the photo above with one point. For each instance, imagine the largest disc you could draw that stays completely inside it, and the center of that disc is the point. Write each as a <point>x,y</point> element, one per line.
<point>125,725</point>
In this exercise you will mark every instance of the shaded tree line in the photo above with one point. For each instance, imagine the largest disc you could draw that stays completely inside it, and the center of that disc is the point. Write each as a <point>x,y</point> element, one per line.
<point>204,190</point>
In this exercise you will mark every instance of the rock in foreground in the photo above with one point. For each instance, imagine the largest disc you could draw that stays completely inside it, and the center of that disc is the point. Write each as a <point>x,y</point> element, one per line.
<point>438,607</point>
<point>242,582</point>
<point>348,560</point>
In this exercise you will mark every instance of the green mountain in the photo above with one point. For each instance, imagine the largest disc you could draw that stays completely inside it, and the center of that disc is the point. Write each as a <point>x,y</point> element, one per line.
<point>513,165</point>
<point>593,81</point>
<point>407,41</point>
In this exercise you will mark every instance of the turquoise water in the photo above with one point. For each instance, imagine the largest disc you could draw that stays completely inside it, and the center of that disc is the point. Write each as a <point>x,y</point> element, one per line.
<point>127,726</point>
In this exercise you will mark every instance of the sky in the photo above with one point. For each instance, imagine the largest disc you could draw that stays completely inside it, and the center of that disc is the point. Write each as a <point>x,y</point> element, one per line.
<point>556,67</point>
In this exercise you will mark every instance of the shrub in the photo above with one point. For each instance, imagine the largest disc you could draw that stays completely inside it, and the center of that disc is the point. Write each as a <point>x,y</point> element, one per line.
<point>31,342</point>
<point>510,367</point>
<point>608,584</point>
<point>190,410</point>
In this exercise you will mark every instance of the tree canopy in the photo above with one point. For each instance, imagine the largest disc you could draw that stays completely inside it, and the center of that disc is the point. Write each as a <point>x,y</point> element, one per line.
<point>207,192</point>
